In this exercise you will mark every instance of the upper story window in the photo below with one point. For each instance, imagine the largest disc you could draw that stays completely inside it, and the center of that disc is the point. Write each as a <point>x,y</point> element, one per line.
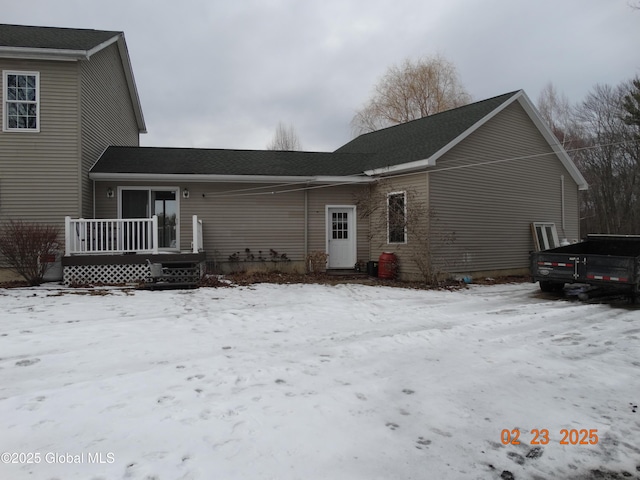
<point>21,95</point>
<point>397,217</point>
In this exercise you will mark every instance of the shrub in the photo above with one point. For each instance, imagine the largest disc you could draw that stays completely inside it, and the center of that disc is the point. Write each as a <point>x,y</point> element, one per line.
<point>317,261</point>
<point>24,245</point>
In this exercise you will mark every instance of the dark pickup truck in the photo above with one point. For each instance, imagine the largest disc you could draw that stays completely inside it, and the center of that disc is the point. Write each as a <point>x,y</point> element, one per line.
<point>610,262</point>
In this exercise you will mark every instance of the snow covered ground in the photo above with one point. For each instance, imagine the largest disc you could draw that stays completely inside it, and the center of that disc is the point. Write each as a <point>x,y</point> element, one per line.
<point>316,382</point>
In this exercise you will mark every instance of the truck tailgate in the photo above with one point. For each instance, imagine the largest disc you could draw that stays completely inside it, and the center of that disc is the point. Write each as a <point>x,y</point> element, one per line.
<point>607,268</point>
<point>555,266</point>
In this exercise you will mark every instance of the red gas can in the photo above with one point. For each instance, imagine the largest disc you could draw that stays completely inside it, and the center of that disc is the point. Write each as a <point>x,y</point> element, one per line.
<point>387,265</point>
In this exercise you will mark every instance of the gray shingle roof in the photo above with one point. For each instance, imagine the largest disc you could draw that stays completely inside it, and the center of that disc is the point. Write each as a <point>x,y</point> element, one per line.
<point>419,139</point>
<point>52,37</point>
<point>408,142</point>
<point>200,161</point>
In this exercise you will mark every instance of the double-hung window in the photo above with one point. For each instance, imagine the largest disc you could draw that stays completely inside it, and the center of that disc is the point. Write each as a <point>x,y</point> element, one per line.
<point>21,96</point>
<point>397,217</point>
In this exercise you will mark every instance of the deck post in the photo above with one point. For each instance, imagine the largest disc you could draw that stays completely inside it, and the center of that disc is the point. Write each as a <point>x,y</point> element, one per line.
<point>194,233</point>
<point>67,236</point>
<point>154,233</point>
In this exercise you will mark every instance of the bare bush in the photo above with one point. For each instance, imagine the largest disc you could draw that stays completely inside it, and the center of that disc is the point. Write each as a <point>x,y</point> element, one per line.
<point>427,240</point>
<point>317,261</point>
<point>25,245</point>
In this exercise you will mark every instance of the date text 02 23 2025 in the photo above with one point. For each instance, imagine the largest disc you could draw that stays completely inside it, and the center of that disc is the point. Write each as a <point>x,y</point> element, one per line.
<point>571,436</point>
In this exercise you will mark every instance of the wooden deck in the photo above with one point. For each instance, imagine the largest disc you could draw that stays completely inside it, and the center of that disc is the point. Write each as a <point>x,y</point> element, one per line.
<point>178,270</point>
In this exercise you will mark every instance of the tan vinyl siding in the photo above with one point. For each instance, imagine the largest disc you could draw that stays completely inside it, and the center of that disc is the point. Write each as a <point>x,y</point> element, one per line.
<point>39,175</point>
<point>234,219</point>
<point>106,207</point>
<point>107,113</point>
<point>416,188</point>
<point>489,208</point>
<point>348,195</point>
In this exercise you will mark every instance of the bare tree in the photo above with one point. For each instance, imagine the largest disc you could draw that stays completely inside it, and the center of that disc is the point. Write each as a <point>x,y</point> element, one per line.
<point>411,91</point>
<point>555,109</point>
<point>631,103</point>
<point>612,164</point>
<point>285,139</point>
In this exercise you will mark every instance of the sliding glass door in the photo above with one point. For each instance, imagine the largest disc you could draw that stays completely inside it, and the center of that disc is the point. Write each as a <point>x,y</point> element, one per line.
<point>165,207</point>
<point>146,202</point>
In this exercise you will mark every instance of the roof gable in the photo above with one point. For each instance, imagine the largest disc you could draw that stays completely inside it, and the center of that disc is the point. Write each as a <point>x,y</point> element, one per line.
<point>68,44</point>
<point>418,144</point>
<point>421,138</point>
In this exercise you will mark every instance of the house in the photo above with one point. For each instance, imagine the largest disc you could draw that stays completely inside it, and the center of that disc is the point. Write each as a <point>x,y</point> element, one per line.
<point>453,193</point>
<point>481,174</point>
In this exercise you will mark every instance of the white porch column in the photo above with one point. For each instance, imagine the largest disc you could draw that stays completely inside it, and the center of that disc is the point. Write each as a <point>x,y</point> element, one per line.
<point>67,236</point>
<point>154,233</point>
<point>194,233</point>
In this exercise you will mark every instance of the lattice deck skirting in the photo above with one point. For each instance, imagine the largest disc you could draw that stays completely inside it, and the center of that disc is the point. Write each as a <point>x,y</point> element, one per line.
<point>105,274</point>
<point>172,268</point>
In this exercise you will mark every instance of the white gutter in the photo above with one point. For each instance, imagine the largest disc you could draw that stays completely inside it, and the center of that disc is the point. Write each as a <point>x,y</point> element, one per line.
<point>187,177</point>
<point>404,167</point>
<point>43,53</point>
<point>39,53</point>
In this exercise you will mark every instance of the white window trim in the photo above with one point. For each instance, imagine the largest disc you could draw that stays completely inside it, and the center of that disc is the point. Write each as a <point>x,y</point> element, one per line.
<point>149,190</point>
<point>5,120</point>
<point>389,195</point>
<point>547,242</point>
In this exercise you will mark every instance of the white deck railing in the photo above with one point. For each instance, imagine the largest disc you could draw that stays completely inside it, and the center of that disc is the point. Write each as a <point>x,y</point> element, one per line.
<point>104,236</point>
<point>121,235</point>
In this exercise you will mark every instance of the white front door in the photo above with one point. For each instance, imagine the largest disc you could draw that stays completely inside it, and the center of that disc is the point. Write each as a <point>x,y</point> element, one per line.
<point>341,236</point>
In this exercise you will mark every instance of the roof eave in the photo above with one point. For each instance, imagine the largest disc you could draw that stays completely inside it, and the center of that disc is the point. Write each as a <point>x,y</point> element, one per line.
<point>402,168</point>
<point>131,83</point>
<point>215,178</point>
<point>43,54</point>
<point>551,139</point>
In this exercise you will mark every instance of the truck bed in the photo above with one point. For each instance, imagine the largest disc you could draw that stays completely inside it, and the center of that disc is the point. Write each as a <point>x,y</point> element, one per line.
<point>603,260</point>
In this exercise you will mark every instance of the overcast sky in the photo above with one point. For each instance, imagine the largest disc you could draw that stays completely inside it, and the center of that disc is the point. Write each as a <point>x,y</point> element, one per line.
<point>222,74</point>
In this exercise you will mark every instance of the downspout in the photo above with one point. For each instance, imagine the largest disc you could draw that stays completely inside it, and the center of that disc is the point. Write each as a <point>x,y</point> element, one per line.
<point>94,198</point>
<point>306,226</point>
<point>562,202</point>
<point>564,240</point>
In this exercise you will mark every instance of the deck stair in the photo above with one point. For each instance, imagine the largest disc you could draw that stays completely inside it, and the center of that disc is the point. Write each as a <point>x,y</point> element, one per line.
<point>173,274</point>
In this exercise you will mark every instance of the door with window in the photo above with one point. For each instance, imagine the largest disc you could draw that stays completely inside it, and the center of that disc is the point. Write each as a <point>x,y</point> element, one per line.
<point>341,236</point>
<point>146,202</point>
